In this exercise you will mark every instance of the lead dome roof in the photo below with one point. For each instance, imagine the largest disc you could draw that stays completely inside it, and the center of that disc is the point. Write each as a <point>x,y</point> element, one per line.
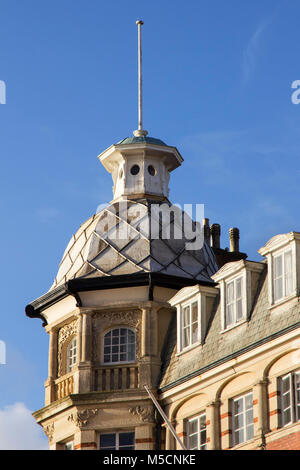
<point>117,241</point>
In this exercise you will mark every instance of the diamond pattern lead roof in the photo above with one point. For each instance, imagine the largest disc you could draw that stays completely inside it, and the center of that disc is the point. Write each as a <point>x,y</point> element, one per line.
<point>117,241</point>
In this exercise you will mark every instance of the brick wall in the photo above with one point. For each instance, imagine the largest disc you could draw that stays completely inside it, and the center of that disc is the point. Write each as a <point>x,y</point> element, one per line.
<point>289,442</point>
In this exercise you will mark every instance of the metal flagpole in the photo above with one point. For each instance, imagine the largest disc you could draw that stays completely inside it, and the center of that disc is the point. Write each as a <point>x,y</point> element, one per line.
<point>163,415</point>
<point>140,131</point>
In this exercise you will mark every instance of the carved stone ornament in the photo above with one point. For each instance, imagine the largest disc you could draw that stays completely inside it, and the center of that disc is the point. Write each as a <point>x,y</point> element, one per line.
<point>146,415</point>
<point>105,320</point>
<point>82,418</point>
<point>64,333</point>
<point>49,431</point>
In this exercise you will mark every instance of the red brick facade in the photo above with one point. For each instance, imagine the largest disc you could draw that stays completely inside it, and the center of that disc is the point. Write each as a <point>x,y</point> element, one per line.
<point>289,442</point>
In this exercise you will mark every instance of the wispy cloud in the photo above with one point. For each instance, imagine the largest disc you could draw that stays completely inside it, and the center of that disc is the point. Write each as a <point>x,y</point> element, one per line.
<point>252,49</point>
<point>18,429</point>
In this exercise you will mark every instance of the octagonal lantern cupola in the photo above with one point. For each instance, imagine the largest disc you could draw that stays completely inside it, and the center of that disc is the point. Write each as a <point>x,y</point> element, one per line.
<point>140,167</point>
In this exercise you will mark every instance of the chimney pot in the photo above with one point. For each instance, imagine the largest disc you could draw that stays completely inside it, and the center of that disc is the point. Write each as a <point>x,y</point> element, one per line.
<point>206,231</point>
<point>234,236</point>
<point>215,231</point>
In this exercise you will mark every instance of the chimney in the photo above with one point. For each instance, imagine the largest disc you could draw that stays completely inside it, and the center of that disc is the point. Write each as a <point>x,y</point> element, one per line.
<point>215,231</point>
<point>206,231</point>
<point>234,236</point>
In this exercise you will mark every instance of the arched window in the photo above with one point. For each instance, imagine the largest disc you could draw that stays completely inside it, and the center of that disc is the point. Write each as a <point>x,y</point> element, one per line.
<point>71,354</point>
<point>119,345</point>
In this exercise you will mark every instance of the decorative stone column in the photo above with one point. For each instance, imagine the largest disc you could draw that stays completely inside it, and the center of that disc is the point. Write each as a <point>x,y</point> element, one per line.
<point>85,353</point>
<point>52,368</point>
<point>150,361</point>
<point>213,425</point>
<point>146,332</point>
<point>260,403</point>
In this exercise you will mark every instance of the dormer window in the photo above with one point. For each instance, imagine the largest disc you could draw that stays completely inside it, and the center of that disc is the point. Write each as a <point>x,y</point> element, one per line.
<point>283,275</point>
<point>194,306</point>
<point>282,253</point>
<point>238,281</point>
<point>234,301</point>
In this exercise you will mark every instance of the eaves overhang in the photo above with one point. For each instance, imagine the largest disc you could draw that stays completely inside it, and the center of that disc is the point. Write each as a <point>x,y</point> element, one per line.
<point>75,286</point>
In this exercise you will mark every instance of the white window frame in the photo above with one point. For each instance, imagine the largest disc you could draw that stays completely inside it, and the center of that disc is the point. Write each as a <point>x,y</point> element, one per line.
<point>117,434</point>
<point>119,344</point>
<point>71,359</point>
<point>294,405</point>
<point>245,299</point>
<point>244,427</point>
<point>189,304</point>
<point>199,431</point>
<point>285,293</point>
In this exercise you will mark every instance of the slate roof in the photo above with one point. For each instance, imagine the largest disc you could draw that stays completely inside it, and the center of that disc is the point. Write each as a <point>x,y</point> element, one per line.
<point>118,241</point>
<point>263,325</point>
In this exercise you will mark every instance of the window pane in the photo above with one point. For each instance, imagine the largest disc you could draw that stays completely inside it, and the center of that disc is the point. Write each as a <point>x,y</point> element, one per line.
<point>238,436</point>
<point>229,314</point>
<point>248,401</point>
<point>288,273</point>
<point>238,421</point>
<point>193,426</point>
<point>287,416</point>
<point>239,309</point>
<point>186,337</point>
<point>286,384</point>
<point>195,312</point>
<point>194,332</point>
<point>186,316</point>
<point>202,421</point>
<point>278,266</point>
<point>286,400</point>
<point>193,442</point>
<point>230,292</point>
<point>126,438</point>
<point>238,406</point>
<point>249,432</point>
<point>108,441</point>
<point>131,352</point>
<point>278,287</point>
<point>249,417</point>
<point>239,288</point>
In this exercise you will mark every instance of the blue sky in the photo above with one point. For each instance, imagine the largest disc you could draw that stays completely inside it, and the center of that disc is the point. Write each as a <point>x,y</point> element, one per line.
<point>217,85</point>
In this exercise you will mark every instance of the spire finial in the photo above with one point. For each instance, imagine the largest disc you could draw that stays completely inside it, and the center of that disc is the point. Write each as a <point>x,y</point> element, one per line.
<point>140,131</point>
